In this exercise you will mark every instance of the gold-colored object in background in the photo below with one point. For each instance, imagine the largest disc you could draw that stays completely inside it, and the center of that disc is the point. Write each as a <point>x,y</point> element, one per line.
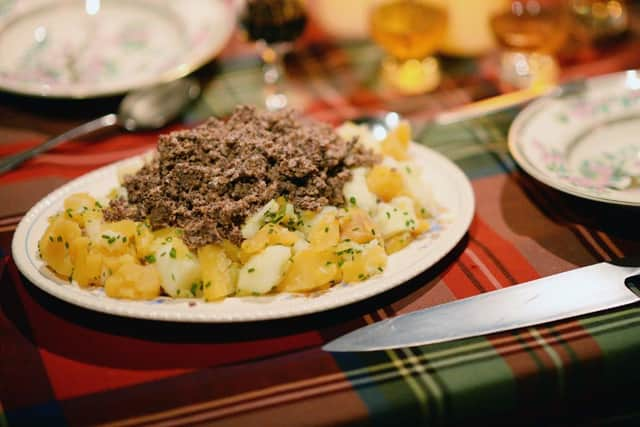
<point>409,31</point>
<point>530,32</point>
<point>468,30</point>
<point>601,19</point>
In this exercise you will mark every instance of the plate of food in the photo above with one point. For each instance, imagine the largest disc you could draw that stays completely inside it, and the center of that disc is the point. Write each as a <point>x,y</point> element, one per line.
<point>84,49</point>
<point>262,216</point>
<point>586,143</point>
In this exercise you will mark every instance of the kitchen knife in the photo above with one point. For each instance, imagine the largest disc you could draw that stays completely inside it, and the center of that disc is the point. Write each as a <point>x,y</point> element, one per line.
<point>573,293</point>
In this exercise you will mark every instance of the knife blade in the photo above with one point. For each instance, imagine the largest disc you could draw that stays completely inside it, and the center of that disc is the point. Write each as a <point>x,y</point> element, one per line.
<point>508,100</point>
<point>569,294</point>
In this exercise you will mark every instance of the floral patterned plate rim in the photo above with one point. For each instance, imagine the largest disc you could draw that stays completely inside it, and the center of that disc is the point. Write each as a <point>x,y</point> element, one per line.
<point>585,144</point>
<point>451,189</point>
<point>89,48</point>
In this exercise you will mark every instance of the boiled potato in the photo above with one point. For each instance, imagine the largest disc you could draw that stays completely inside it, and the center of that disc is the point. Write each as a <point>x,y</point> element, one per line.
<point>358,226</point>
<point>386,182</point>
<point>55,243</point>
<point>80,206</point>
<point>134,281</point>
<point>144,241</point>
<point>219,273</point>
<point>231,250</point>
<point>396,217</point>
<point>349,130</point>
<point>396,144</point>
<point>87,262</point>
<point>325,231</point>
<point>264,270</point>
<point>257,220</point>
<point>356,192</point>
<point>310,269</point>
<point>397,242</point>
<point>269,235</point>
<point>178,267</point>
<point>117,237</point>
<point>111,263</point>
<point>418,189</point>
<point>359,262</point>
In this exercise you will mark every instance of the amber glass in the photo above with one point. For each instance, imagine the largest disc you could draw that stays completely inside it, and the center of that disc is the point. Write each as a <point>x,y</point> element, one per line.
<point>530,32</point>
<point>409,31</point>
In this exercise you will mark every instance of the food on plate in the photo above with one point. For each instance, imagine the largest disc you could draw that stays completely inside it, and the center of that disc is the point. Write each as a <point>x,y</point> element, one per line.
<point>262,203</point>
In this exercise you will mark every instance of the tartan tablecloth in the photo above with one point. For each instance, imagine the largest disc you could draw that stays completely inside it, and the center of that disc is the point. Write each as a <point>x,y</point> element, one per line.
<point>63,365</point>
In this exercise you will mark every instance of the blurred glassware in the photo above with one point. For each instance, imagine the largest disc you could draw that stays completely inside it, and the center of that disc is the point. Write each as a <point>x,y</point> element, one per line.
<point>601,19</point>
<point>530,32</point>
<point>274,25</point>
<point>409,31</point>
<point>347,20</point>
<point>469,30</point>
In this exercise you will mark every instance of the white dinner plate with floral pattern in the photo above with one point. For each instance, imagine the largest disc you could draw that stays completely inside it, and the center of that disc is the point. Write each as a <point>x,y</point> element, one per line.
<point>451,188</point>
<point>586,144</point>
<point>92,48</point>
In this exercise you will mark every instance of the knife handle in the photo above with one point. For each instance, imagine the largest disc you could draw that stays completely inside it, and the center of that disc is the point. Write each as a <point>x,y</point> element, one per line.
<point>627,261</point>
<point>633,283</point>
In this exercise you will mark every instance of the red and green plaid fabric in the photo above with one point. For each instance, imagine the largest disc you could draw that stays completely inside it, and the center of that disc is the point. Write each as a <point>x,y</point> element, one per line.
<point>63,365</point>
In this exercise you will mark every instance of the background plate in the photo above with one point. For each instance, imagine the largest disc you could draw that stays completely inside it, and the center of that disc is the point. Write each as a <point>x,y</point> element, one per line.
<point>91,48</point>
<point>586,144</point>
<point>451,189</point>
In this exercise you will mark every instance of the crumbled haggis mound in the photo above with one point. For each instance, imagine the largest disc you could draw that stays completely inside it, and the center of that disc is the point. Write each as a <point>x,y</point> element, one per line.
<point>208,180</point>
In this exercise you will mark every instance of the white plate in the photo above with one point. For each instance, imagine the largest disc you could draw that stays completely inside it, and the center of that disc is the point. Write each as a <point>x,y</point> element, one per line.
<point>451,188</point>
<point>586,144</point>
<point>91,48</point>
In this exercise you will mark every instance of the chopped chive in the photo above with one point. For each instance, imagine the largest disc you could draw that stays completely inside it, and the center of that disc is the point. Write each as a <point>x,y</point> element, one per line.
<point>352,200</point>
<point>251,270</point>
<point>150,258</point>
<point>98,205</point>
<point>388,215</point>
<point>172,253</point>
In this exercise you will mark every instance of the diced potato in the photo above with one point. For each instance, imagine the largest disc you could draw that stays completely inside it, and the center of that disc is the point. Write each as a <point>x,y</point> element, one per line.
<point>311,269</point>
<point>79,206</point>
<point>217,272</point>
<point>93,224</point>
<point>144,240</point>
<point>87,263</point>
<point>232,251</point>
<point>358,226</point>
<point>264,270</point>
<point>396,144</point>
<point>397,242</point>
<point>134,281</point>
<point>255,221</point>
<point>349,130</point>
<point>386,182</point>
<point>305,222</point>
<point>178,267</point>
<point>55,242</point>
<point>111,264</point>
<point>418,189</point>
<point>360,262</point>
<point>300,245</point>
<point>325,231</point>
<point>356,192</point>
<point>269,235</point>
<point>117,238</point>
<point>396,217</point>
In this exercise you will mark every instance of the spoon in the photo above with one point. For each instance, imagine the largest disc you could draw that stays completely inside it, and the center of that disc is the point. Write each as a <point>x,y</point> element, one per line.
<point>148,108</point>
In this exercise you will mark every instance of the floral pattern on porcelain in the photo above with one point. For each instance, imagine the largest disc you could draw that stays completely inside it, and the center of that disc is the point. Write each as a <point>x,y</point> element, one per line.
<point>610,171</point>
